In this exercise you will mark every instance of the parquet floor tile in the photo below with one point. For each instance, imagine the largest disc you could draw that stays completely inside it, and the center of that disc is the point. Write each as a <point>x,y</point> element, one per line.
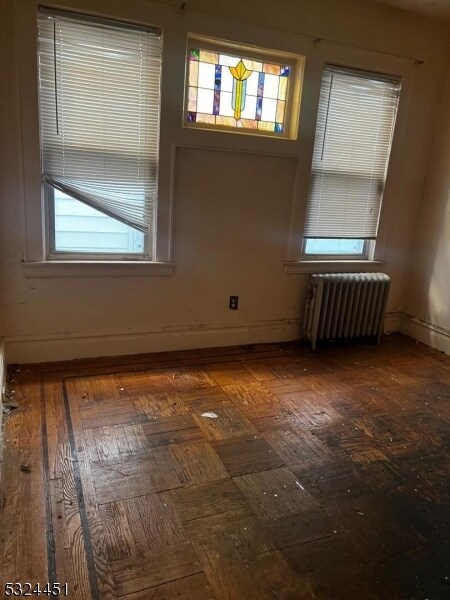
<point>247,455</point>
<point>259,472</point>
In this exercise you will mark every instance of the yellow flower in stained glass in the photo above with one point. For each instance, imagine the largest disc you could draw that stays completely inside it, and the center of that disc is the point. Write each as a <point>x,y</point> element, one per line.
<point>240,74</point>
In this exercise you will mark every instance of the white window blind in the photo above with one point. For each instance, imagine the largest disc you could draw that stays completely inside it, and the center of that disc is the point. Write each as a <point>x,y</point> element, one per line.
<point>99,84</point>
<point>355,124</point>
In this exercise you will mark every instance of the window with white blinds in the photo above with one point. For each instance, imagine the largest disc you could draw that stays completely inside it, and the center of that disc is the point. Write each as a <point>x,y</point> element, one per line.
<point>99,84</point>
<point>354,131</point>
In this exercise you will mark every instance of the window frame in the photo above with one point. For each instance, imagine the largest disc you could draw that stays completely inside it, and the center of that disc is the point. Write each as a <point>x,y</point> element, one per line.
<point>37,260</point>
<point>368,249</point>
<point>47,191</point>
<point>296,62</point>
<point>371,61</point>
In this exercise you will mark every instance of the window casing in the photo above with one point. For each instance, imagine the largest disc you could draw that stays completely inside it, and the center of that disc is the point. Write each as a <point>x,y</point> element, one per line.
<point>355,125</point>
<point>234,88</point>
<point>99,93</point>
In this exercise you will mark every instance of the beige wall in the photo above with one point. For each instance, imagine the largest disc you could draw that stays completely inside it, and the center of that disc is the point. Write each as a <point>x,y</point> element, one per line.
<point>428,296</point>
<point>228,237</point>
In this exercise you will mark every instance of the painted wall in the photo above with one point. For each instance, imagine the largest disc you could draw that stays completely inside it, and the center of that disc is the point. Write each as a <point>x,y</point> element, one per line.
<point>229,235</point>
<point>428,297</point>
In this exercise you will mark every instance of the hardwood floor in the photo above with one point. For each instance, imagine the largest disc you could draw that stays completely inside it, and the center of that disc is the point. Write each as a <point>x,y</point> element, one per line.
<point>240,473</point>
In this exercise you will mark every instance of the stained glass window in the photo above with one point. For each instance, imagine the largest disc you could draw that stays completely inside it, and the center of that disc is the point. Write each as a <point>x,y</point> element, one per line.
<point>232,91</point>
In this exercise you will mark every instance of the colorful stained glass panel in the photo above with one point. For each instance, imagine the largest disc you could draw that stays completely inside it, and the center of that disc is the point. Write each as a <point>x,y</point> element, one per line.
<point>247,123</point>
<point>282,89</point>
<point>280,111</point>
<point>209,57</point>
<point>210,119</point>
<point>272,69</point>
<point>266,126</point>
<point>236,92</point>
<point>193,74</point>
<point>252,65</point>
<point>192,100</point>
<point>226,121</point>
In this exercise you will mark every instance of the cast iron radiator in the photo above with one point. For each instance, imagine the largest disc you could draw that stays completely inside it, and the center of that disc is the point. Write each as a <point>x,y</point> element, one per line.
<point>345,305</point>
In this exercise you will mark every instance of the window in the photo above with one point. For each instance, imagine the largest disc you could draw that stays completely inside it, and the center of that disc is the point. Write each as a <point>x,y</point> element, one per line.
<point>354,131</point>
<point>99,88</point>
<point>324,247</point>
<point>235,90</point>
<point>80,228</point>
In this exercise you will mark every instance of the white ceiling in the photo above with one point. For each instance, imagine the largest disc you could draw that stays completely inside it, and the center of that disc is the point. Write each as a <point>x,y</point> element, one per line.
<point>431,8</point>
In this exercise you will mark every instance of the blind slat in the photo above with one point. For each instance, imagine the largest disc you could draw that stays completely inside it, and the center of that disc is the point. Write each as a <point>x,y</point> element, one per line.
<point>99,87</point>
<point>354,130</point>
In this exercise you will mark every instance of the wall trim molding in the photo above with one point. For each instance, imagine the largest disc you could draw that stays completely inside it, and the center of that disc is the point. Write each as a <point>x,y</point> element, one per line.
<point>62,346</point>
<point>428,333</point>
<point>392,321</point>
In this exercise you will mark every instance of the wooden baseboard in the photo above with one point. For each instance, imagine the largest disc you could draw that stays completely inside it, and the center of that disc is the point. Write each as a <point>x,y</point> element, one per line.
<point>427,333</point>
<point>47,349</point>
<point>41,349</point>
<point>392,321</point>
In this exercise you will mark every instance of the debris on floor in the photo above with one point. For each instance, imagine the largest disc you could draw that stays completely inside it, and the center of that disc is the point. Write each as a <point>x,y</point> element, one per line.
<point>210,415</point>
<point>9,403</point>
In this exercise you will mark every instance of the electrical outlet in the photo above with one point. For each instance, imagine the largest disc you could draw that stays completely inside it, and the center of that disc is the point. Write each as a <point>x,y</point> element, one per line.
<point>233,305</point>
